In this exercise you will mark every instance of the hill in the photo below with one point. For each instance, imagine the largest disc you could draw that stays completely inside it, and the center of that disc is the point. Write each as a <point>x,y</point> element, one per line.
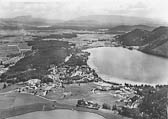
<point>161,50</point>
<point>86,22</point>
<point>126,28</point>
<point>137,37</point>
<point>153,42</point>
<point>158,42</point>
<point>111,20</point>
<point>25,22</point>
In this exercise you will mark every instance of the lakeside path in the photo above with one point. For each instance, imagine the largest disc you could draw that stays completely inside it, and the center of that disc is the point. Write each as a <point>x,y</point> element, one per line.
<point>53,105</point>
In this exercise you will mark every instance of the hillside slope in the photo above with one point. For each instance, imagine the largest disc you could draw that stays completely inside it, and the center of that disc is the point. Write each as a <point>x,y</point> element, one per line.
<point>127,28</point>
<point>154,42</point>
<point>137,37</point>
<point>161,50</point>
<point>158,42</point>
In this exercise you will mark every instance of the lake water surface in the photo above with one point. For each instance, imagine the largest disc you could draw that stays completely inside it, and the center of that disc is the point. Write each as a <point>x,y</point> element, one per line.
<point>59,114</point>
<point>121,65</point>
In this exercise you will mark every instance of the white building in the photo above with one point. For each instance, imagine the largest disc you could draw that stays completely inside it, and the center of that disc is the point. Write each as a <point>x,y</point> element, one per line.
<point>33,82</point>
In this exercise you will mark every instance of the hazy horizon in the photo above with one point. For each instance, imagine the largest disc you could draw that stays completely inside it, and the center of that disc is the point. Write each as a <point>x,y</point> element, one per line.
<point>71,9</point>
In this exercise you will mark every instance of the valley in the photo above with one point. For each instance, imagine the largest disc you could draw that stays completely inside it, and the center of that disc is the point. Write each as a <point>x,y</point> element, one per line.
<point>47,68</point>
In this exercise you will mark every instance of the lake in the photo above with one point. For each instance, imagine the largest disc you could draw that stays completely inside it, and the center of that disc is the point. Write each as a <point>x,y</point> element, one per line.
<point>59,114</point>
<point>122,65</point>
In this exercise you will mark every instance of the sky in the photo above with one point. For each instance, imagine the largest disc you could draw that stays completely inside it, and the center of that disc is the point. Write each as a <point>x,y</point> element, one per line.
<point>70,9</point>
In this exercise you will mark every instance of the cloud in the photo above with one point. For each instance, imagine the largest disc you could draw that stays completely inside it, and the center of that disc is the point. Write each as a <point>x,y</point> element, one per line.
<point>69,9</point>
<point>138,5</point>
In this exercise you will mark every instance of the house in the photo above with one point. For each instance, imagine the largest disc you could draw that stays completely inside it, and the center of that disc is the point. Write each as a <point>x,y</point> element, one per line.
<point>33,82</point>
<point>48,88</point>
<point>87,104</point>
<point>23,47</point>
<point>77,73</point>
<point>12,49</point>
<point>2,85</point>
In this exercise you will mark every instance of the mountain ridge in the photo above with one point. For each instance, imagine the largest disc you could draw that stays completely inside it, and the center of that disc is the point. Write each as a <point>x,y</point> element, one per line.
<point>152,42</point>
<point>85,22</point>
<point>115,20</point>
<point>127,28</point>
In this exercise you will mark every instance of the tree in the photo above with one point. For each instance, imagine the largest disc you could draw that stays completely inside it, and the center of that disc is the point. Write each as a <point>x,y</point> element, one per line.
<point>106,106</point>
<point>154,103</point>
<point>114,107</point>
<point>4,86</point>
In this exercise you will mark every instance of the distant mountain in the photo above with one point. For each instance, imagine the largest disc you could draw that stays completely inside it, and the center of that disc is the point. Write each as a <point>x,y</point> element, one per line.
<point>153,42</point>
<point>86,22</point>
<point>124,23</point>
<point>111,20</point>
<point>126,28</point>
<point>26,21</point>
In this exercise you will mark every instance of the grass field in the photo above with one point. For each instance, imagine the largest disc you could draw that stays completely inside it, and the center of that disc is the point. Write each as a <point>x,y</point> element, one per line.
<point>74,92</point>
<point>9,88</point>
<point>16,99</point>
<point>12,104</point>
<point>15,104</point>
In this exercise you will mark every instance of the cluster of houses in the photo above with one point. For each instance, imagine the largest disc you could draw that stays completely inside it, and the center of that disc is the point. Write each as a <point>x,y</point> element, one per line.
<point>127,95</point>
<point>103,86</point>
<point>72,74</point>
<point>35,87</point>
<point>69,74</point>
<point>87,104</point>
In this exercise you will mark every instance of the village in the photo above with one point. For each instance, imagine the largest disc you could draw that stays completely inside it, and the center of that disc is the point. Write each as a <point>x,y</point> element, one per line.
<point>68,81</point>
<point>60,75</point>
<point>68,74</point>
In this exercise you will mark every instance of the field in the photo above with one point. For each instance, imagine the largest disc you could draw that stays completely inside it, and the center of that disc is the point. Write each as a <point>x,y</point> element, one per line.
<point>73,92</point>
<point>14,104</point>
<point>10,100</point>
<point>9,43</point>
<point>9,88</point>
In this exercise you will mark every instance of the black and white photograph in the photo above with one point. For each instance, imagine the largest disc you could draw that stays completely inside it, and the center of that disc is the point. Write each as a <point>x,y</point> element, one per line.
<point>83,59</point>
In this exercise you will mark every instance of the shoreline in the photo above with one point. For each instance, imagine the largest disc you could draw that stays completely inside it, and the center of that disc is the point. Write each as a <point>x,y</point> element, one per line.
<point>153,54</point>
<point>119,81</point>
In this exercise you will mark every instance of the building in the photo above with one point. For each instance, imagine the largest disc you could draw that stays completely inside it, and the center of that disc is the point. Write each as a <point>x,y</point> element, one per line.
<point>87,104</point>
<point>33,82</point>
<point>23,47</point>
